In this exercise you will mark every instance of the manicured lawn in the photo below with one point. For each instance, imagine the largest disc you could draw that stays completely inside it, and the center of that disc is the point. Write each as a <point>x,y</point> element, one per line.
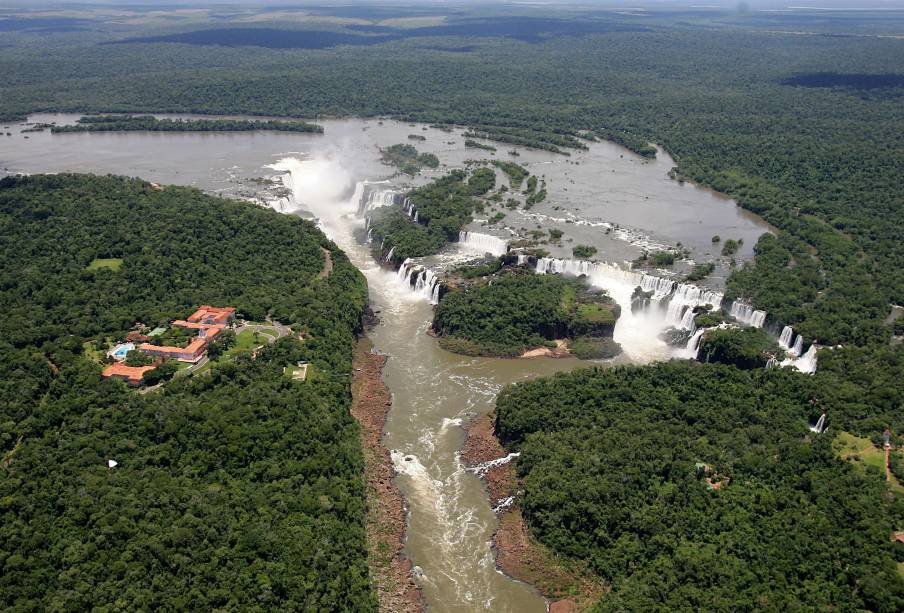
<point>864,453</point>
<point>113,264</point>
<point>245,341</point>
<point>858,448</point>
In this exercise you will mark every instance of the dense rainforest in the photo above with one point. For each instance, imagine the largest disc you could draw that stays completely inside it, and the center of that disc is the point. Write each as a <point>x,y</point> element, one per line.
<point>512,310</point>
<point>798,116</point>
<point>700,487</point>
<point>235,489</point>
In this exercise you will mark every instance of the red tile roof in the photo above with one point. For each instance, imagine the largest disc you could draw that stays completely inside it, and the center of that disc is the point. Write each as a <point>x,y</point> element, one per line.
<point>211,315</point>
<point>132,374</point>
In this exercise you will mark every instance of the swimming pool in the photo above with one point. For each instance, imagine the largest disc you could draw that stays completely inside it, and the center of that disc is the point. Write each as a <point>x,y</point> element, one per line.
<point>119,352</point>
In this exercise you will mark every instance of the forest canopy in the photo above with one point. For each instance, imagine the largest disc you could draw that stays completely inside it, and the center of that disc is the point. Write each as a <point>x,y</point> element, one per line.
<point>236,489</point>
<point>699,487</point>
<point>511,311</point>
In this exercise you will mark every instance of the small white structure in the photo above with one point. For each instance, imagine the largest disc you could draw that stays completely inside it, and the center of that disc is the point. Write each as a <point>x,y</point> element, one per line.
<point>112,463</point>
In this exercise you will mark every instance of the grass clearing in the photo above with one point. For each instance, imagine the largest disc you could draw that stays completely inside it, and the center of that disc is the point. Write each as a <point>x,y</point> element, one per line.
<point>596,313</point>
<point>113,264</point>
<point>862,451</point>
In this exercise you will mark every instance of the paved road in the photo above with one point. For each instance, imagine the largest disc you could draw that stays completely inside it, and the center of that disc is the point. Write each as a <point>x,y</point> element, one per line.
<point>272,330</point>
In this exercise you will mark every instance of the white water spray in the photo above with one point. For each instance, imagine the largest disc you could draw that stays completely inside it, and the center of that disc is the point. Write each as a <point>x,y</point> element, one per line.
<point>483,243</point>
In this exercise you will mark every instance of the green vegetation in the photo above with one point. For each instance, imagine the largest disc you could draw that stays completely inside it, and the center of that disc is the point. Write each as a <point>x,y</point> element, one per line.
<point>535,198</point>
<point>481,181</point>
<point>700,272</point>
<point>511,311</point>
<point>534,138</point>
<point>138,358</point>
<point>235,490</point>
<point>515,172</point>
<point>473,144</point>
<point>818,162</point>
<point>656,258</point>
<point>174,337</point>
<point>594,348</point>
<point>584,251</point>
<point>444,207</point>
<point>163,372</point>
<point>730,247</point>
<point>707,319</point>
<point>224,341</point>
<point>408,160</point>
<point>127,123</point>
<point>608,474</point>
<point>741,347</point>
<point>109,263</point>
<point>817,155</point>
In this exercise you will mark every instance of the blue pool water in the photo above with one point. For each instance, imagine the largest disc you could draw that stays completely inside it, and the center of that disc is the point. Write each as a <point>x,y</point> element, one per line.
<point>121,351</point>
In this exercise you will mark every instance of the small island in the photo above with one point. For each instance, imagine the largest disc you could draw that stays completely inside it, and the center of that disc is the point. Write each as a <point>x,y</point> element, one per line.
<point>407,158</point>
<point>505,310</point>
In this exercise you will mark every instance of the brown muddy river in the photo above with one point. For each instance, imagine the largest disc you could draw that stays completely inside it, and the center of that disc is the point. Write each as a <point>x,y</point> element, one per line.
<point>451,522</point>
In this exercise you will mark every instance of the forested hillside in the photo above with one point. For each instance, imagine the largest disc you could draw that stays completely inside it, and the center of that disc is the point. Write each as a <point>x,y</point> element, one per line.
<point>238,489</point>
<point>699,487</point>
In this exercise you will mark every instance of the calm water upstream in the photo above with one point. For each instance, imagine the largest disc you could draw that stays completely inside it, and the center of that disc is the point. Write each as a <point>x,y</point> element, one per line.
<point>451,522</point>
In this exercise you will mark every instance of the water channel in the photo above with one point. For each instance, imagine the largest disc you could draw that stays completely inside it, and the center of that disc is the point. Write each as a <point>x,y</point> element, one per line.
<point>434,392</point>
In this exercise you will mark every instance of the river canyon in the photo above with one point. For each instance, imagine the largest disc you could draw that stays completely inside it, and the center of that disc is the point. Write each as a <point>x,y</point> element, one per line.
<point>605,196</point>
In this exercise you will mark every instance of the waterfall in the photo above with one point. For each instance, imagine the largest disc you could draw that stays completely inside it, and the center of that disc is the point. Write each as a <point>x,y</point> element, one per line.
<point>388,257</point>
<point>484,243</point>
<point>687,320</point>
<point>377,199</point>
<point>746,314</point>
<point>409,209</point>
<point>785,338</point>
<point>692,350</point>
<point>420,280</point>
<point>805,363</point>
<point>798,347</point>
<point>522,259</point>
<point>638,330</point>
<point>820,426</point>
<point>370,235</point>
<point>792,345</point>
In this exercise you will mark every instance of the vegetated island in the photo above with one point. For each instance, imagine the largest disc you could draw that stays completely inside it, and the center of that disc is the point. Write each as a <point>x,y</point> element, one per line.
<point>133,123</point>
<point>236,488</point>
<point>702,486</point>
<point>435,215</point>
<point>408,159</point>
<point>505,310</point>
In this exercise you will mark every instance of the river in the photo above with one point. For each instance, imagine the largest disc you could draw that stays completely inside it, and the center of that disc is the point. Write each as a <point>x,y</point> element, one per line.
<point>434,392</point>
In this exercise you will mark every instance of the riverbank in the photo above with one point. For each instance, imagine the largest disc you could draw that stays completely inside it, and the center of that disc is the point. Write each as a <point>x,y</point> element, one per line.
<point>517,554</point>
<point>386,517</point>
